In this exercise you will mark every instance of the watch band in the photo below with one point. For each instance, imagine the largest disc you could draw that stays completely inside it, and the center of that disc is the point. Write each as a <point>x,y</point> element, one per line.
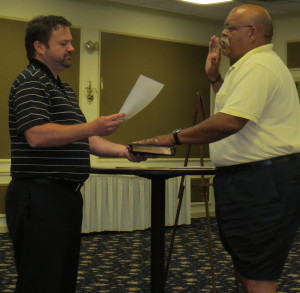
<point>216,80</point>
<point>175,135</point>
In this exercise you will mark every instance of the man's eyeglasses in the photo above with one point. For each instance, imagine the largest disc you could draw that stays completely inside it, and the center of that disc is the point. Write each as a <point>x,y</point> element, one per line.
<point>231,28</point>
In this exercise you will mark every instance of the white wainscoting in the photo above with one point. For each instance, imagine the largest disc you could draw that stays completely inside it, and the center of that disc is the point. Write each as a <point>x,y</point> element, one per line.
<point>3,226</point>
<point>123,203</point>
<point>4,180</point>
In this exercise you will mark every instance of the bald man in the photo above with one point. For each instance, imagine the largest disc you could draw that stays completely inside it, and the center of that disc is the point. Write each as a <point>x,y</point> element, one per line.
<point>254,138</point>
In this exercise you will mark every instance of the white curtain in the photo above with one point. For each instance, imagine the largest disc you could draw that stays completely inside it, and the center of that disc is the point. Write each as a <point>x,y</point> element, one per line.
<point>123,203</point>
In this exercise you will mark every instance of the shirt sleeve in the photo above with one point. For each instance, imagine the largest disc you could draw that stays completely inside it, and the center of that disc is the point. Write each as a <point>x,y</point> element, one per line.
<point>31,104</point>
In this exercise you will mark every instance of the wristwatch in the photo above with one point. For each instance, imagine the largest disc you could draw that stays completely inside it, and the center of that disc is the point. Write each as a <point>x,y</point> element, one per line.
<point>175,135</point>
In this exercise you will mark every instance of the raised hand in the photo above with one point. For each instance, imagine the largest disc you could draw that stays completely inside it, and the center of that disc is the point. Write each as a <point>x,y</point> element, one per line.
<point>213,59</point>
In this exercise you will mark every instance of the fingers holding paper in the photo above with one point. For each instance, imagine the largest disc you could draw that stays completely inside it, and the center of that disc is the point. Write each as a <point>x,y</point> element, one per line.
<point>106,125</point>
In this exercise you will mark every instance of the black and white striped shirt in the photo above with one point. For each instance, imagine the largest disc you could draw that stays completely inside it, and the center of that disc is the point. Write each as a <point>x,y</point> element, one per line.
<point>36,98</point>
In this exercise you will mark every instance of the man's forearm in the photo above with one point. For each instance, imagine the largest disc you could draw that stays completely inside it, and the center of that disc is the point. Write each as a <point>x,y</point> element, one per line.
<point>102,147</point>
<point>54,135</point>
<point>212,129</point>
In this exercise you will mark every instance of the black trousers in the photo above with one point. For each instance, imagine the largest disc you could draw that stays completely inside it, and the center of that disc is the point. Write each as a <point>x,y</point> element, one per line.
<point>258,214</point>
<point>44,221</point>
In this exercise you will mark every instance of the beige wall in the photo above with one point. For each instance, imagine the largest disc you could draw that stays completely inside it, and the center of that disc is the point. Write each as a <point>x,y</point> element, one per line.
<point>285,29</point>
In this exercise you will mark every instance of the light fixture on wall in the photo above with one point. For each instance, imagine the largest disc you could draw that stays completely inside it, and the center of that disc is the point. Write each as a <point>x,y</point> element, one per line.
<point>206,1</point>
<point>91,46</point>
<point>91,91</point>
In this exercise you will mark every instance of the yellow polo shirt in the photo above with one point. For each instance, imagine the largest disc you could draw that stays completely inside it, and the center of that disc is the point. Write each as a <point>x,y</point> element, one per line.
<point>258,87</point>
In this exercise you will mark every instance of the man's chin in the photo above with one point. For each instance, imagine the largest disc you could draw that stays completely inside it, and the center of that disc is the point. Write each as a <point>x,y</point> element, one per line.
<point>67,64</point>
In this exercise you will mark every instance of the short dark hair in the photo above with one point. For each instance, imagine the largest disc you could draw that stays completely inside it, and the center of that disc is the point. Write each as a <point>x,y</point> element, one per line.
<point>40,29</point>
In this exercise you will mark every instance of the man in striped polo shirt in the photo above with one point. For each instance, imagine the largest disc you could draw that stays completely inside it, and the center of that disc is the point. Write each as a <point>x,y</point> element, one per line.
<point>50,147</point>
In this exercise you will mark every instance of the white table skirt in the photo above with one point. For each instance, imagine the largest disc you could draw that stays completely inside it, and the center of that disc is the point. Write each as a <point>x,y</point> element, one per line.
<point>123,203</point>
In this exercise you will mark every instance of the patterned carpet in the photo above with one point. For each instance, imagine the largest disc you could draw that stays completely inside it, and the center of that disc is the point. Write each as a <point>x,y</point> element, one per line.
<point>119,262</point>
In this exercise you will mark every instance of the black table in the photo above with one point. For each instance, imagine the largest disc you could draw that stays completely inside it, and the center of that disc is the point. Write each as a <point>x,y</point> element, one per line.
<point>158,176</point>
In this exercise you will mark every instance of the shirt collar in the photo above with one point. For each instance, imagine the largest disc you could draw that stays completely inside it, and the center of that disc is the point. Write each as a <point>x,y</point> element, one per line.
<point>260,49</point>
<point>44,67</point>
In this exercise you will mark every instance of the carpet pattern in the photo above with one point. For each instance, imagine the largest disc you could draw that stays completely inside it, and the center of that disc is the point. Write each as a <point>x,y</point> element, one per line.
<point>119,262</point>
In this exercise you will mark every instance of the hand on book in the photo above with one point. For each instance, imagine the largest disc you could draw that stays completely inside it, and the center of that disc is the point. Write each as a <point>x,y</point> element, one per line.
<point>152,150</point>
<point>158,145</point>
<point>136,157</point>
<point>166,139</point>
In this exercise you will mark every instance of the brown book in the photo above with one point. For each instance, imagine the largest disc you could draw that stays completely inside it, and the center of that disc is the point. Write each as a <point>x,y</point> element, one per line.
<point>162,150</point>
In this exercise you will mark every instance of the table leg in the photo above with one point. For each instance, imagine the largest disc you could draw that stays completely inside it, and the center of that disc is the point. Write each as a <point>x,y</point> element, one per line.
<point>157,234</point>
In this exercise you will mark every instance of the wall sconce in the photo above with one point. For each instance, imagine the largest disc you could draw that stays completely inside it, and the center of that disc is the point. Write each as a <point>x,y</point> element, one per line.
<point>91,46</point>
<point>90,92</point>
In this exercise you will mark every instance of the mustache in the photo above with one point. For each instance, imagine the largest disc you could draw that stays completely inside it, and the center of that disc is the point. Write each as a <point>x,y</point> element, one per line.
<point>224,41</point>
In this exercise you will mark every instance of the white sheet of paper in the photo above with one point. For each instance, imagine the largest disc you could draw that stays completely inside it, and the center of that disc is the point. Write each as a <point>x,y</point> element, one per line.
<point>142,94</point>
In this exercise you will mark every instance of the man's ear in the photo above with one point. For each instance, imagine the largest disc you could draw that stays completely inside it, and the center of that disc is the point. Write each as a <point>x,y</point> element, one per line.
<point>253,32</point>
<point>39,47</point>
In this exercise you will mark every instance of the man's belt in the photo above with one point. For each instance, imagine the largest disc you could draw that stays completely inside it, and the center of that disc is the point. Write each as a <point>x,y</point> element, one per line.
<point>73,185</point>
<point>255,165</point>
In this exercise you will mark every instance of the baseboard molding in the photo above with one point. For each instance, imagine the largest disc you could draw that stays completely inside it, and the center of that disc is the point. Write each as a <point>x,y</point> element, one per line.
<point>201,214</point>
<point>3,226</point>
